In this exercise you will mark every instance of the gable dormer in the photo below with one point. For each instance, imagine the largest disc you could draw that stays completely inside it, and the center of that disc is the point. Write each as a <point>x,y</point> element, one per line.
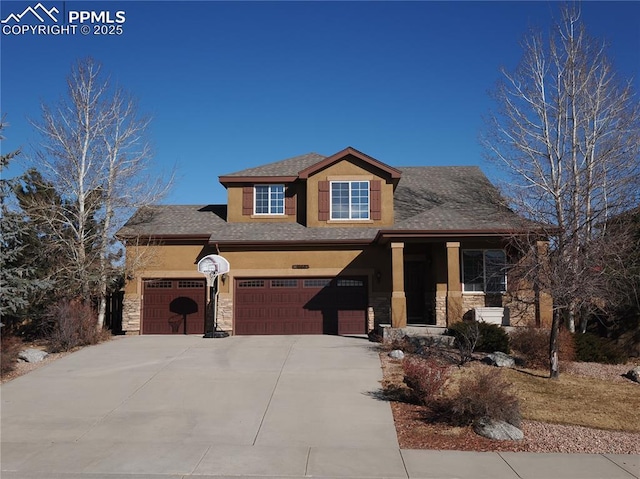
<point>348,188</point>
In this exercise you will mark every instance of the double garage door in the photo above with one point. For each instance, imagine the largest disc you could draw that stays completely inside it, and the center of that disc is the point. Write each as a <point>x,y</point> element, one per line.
<point>261,306</point>
<point>300,305</point>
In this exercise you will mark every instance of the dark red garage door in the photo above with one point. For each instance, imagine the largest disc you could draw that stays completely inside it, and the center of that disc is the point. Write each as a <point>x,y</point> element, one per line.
<point>300,306</point>
<point>171,304</point>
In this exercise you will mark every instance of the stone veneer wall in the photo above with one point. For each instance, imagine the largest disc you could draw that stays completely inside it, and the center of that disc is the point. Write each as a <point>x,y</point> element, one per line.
<point>225,313</point>
<point>131,314</point>
<point>441,310</point>
<point>471,301</point>
<point>522,309</point>
<point>381,304</point>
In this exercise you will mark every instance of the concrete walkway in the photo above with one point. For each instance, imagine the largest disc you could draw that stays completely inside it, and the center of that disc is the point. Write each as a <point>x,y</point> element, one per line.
<point>283,406</point>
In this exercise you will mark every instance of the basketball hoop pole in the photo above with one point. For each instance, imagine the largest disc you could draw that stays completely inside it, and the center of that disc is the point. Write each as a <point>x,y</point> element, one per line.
<point>212,279</point>
<point>213,266</point>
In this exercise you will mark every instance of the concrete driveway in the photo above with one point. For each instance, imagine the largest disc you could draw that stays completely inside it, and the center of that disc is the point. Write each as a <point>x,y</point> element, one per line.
<point>278,405</point>
<point>152,407</point>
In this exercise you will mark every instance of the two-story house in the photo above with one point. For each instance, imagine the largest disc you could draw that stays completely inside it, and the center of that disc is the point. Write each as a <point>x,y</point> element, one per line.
<point>329,245</point>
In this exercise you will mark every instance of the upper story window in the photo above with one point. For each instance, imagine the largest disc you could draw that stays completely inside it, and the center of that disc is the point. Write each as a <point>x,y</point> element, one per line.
<point>269,199</point>
<point>349,200</point>
<point>484,270</point>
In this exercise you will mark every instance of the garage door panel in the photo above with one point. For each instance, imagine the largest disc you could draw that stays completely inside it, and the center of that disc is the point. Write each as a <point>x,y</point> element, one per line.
<point>300,306</point>
<point>157,314</point>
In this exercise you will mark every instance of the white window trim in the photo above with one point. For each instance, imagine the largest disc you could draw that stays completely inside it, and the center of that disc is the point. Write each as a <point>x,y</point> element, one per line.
<point>484,272</point>
<point>269,213</point>
<point>368,218</point>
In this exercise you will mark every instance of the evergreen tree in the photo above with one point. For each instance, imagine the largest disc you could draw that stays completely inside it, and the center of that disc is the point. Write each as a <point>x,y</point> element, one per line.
<point>18,279</point>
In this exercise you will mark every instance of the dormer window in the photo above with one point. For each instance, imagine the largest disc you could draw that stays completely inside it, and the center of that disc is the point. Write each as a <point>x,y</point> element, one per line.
<point>349,200</point>
<point>269,200</point>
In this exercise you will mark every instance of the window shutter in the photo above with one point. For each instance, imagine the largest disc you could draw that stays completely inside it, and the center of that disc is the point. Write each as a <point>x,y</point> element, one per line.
<point>247,200</point>
<point>323,200</point>
<point>375,187</point>
<point>289,202</point>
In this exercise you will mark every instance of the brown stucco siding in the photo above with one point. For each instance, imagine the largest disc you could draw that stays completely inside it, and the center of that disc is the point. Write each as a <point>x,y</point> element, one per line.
<point>235,203</point>
<point>158,261</point>
<point>349,170</point>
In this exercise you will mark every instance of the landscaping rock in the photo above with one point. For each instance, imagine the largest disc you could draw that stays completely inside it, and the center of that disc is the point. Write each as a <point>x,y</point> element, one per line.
<point>500,360</point>
<point>32,355</point>
<point>423,343</point>
<point>498,430</point>
<point>634,374</point>
<point>396,354</point>
<point>392,334</point>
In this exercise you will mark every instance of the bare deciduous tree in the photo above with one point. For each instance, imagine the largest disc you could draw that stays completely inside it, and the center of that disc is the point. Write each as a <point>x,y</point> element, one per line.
<point>96,156</point>
<point>567,132</point>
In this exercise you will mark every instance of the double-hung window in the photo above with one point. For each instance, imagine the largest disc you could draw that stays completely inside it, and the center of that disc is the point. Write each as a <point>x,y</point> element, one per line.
<point>349,200</point>
<point>269,199</point>
<point>484,270</point>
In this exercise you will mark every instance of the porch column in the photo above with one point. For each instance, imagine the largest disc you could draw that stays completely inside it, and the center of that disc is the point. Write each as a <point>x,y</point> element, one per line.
<point>398,299</point>
<point>454,286</point>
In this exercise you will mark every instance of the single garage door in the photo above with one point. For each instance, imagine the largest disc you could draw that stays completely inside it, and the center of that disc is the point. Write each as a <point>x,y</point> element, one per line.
<point>174,306</point>
<point>300,305</point>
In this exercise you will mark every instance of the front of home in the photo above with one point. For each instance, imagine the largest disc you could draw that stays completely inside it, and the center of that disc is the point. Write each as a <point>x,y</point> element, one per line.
<point>328,245</point>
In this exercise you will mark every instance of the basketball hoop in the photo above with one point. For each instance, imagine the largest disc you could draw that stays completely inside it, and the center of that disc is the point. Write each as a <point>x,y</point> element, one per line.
<point>213,266</point>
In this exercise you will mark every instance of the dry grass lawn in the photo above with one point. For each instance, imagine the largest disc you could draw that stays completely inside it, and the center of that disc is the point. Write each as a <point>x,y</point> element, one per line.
<point>577,400</point>
<point>574,400</point>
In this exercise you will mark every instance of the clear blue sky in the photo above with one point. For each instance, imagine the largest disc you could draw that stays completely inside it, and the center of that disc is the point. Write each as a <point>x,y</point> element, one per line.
<point>237,84</point>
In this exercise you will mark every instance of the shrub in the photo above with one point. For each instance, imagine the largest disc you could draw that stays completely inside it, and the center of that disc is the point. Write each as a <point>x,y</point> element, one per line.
<point>467,334</point>
<point>485,395</point>
<point>493,338</point>
<point>74,324</point>
<point>488,337</point>
<point>10,347</point>
<point>592,348</point>
<point>533,346</point>
<point>424,378</point>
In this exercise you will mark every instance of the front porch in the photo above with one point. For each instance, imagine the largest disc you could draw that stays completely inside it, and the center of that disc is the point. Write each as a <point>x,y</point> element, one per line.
<point>428,289</point>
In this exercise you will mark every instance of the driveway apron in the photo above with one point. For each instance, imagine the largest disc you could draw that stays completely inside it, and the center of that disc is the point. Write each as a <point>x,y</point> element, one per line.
<point>272,405</point>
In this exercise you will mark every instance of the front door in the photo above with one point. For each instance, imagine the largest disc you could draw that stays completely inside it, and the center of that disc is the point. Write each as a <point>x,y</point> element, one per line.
<point>414,289</point>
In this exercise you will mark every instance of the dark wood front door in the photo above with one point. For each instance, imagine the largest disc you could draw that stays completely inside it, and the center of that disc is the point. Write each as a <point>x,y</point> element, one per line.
<point>415,291</point>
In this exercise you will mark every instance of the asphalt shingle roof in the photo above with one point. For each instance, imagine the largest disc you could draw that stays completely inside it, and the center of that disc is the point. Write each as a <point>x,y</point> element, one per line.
<point>428,198</point>
<point>449,198</point>
<point>288,167</point>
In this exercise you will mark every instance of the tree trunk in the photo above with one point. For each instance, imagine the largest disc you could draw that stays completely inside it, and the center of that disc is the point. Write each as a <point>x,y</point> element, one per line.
<point>554,370</point>
<point>102,311</point>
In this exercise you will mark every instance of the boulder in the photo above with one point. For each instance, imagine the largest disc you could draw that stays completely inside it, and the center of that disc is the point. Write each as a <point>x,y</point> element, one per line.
<point>500,360</point>
<point>634,374</point>
<point>396,354</point>
<point>32,355</point>
<point>498,430</point>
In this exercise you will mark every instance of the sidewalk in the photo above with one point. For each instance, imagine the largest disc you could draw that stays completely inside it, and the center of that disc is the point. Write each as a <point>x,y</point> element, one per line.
<point>173,461</point>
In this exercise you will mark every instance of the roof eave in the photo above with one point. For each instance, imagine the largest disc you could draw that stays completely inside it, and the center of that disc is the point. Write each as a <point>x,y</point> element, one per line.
<point>458,233</point>
<point>256,179</point>
<point>392,172</point>
<point>328,242</point>
<point>199,237</point>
